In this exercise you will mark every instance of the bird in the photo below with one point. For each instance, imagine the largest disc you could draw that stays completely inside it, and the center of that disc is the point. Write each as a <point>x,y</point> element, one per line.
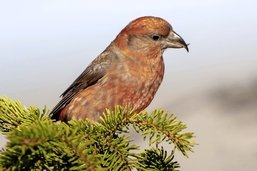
<point>127,73</point>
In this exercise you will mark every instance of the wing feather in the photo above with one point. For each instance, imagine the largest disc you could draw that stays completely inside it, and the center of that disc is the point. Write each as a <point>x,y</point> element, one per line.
<point>90,76</point>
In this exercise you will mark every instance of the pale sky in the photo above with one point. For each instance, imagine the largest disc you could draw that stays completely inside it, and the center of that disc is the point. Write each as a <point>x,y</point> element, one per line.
<point>45,45</point>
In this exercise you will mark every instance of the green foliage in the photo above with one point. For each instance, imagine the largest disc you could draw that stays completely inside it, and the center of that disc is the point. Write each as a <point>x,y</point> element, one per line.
<point>38,143</point>
<point>13,114</point>
<point>157,159</point>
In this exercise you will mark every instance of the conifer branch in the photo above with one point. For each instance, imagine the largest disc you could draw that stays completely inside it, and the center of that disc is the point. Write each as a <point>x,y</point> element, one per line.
<point>157,159</point>
<point>38,143</point>
<point>13,113</point>
<point>161,126</point>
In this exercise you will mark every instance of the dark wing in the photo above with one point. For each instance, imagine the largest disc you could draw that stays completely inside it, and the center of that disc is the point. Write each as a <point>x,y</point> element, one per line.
<point>95,71</point>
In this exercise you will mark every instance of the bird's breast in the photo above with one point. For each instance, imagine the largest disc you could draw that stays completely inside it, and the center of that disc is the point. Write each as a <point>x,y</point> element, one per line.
<point>128,85</point>
<point>138,81</point>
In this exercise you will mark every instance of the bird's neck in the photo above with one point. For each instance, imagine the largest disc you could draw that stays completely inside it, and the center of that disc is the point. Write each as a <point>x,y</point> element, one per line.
<point>150,62</point>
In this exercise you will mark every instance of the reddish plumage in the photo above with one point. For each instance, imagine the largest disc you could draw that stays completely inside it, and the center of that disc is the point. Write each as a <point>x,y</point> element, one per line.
<point>127,73</point>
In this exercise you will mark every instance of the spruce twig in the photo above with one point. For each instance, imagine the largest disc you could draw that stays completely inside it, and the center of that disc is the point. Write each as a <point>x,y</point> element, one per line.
<point>38,143</point>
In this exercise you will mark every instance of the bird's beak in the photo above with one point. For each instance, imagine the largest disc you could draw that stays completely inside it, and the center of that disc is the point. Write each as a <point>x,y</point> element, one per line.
<point>174,40</point>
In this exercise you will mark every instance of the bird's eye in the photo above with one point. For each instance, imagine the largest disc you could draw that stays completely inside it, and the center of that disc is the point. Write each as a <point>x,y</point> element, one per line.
<point>155,37</point>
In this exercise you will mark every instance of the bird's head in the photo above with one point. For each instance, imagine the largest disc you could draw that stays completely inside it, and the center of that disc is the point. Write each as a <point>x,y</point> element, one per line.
<point>149,34</point>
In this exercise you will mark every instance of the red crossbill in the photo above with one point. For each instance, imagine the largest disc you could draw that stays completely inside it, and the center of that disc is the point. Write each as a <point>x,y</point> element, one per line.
<point>127,73</point>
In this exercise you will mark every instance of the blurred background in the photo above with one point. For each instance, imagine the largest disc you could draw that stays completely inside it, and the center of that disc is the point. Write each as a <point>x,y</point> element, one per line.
<point>45,45</point>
